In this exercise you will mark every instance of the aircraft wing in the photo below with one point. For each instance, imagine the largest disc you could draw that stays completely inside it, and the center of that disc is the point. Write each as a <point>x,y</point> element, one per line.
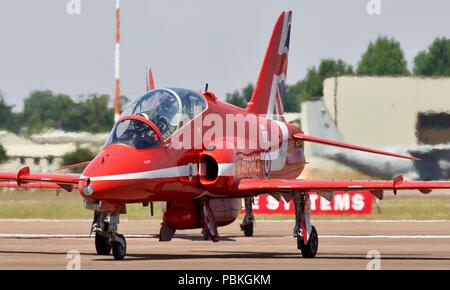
<point>23,178</point>
<point>308,138</point>
<point>33,185</point>
<point>249,186</point>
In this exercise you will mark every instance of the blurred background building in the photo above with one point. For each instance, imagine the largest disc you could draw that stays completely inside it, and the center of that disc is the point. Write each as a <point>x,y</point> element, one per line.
<point>390,111</point>
<point>407,115</point>
<point>44,152</point>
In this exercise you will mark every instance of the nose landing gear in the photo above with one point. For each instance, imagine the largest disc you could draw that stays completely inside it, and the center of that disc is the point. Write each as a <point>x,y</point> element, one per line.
<point>106,237</point>
<point>102,245</point>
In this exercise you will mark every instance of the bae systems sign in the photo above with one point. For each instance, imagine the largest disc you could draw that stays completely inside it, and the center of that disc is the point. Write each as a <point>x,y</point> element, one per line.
<point>356,202</point>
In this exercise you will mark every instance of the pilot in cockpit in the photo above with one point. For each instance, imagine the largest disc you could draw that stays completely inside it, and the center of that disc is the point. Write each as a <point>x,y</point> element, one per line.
<point>145,136</point>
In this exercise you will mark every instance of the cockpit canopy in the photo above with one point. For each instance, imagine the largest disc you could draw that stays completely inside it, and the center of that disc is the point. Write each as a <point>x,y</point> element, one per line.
<point>168,109</point>
<point>134,133</point>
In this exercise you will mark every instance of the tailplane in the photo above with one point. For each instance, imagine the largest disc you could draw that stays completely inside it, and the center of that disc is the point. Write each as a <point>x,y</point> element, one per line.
<point>270,88</point>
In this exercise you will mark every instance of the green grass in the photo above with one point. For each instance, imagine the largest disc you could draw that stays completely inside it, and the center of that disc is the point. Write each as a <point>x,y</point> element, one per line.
<point>68,205</point>
<point>58,209</point>
<point>46,205</point>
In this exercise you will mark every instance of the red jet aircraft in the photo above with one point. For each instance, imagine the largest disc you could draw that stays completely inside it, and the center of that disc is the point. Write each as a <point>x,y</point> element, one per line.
<point>203,183</point>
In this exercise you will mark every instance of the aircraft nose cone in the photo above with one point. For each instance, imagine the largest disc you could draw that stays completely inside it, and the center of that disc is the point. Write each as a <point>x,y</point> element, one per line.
<point>111,161</point>
<point>99,180</point>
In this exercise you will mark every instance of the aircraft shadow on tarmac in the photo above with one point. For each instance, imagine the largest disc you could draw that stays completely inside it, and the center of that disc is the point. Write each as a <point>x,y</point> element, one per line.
<point>235,255</point>
<point>227,238</point>
<point>268,255</point>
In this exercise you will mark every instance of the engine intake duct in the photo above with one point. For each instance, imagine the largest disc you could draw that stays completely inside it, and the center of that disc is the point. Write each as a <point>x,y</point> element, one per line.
<point>209,169</point>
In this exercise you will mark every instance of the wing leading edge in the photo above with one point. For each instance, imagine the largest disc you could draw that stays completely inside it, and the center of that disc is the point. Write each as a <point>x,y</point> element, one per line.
<point>248,186</point>
<point>23,178</point>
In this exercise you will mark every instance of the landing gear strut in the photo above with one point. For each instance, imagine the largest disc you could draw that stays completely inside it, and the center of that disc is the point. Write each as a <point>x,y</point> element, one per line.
<point>106,236</point>
<point>248,222</point>
<point>209,224</point>
<point>307,238</point>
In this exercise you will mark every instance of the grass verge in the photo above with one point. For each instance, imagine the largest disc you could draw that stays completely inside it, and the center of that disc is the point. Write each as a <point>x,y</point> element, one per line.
<point>45,205</point>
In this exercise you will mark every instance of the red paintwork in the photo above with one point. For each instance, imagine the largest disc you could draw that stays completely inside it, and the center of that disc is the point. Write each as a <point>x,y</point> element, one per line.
<point>150,79</point>
<point>25,177</point>
<point>121,174</point>
<point>274,185</point>
<point>33,185</point>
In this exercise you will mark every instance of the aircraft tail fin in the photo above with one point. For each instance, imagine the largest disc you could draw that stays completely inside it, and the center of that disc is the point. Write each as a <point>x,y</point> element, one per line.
<point>270,88</point>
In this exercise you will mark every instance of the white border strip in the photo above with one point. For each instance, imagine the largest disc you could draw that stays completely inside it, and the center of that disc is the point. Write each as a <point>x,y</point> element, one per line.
<point>64,236</point>
<point>225,169</point>
<point>258,221</point>
<point>385,236</point>
<point>357,221</point>
<point>84,236</point>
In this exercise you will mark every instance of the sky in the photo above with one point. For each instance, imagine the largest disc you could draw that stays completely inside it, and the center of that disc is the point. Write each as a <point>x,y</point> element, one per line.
<point>192,42</point>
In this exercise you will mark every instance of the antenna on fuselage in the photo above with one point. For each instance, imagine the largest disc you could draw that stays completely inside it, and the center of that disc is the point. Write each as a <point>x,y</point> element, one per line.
<point>206,87</point>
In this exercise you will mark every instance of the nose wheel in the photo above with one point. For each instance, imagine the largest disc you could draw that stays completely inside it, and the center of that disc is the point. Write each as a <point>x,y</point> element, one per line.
<point>119,247</point>
<point>102,245</point>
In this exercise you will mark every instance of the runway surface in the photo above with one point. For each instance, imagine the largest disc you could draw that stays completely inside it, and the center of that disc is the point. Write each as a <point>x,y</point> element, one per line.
<point>30,244</point>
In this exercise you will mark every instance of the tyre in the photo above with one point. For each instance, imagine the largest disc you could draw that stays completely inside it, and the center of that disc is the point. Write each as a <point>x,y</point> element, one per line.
<point>166,233</point>
<point>119,250</point>
<point>205,235</point>
<point>248,229</point>
<point>102,245</point>
<point>310,249</point>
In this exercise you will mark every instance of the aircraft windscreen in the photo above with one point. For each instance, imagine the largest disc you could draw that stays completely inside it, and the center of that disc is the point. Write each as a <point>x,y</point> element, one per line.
<point>168,109</point>
<point>134,133</point>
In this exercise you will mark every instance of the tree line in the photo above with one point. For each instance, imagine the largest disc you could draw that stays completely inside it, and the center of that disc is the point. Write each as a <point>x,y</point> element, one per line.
<point>45,109</point>
<point>383,57</point>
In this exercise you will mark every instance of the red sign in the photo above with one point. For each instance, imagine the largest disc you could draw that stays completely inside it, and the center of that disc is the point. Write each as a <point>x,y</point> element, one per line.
<point>355,202</point>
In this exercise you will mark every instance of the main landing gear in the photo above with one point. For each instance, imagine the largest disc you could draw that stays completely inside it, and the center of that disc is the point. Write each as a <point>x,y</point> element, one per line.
<point>209,226</point>
<point>209,230</point>
<point>307,238</point>
<point>248,222</point>
<point>106,237</point>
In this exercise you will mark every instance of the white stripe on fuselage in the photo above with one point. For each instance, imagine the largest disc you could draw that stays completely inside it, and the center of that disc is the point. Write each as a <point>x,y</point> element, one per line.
<point>225,169</point>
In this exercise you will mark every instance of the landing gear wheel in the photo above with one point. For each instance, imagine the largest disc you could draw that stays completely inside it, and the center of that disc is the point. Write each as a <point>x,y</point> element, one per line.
<point>102,245</point>
<point>248,229</point>
<point>205,235</point>
<point>166,233</point>
<point>119,250</point>
<point>310,249</point>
